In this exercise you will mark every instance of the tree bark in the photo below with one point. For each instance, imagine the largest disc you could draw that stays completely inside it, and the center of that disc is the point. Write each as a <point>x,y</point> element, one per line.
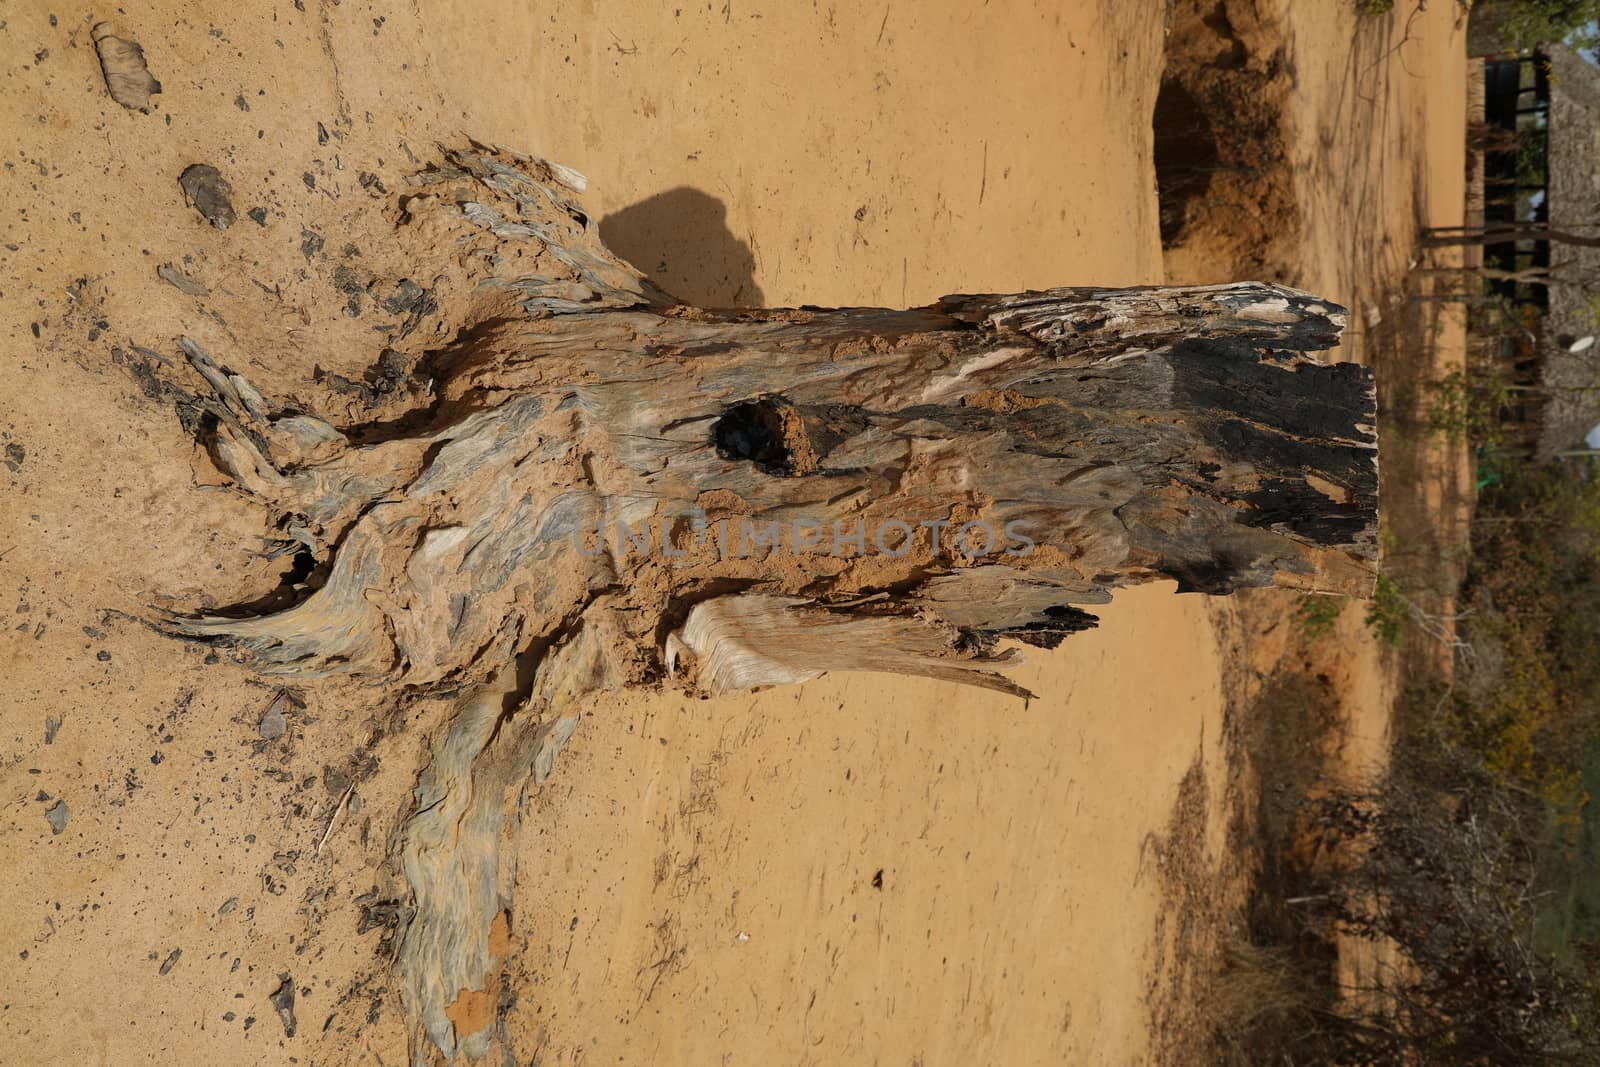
<point>595,487</point>
<point>1463,235</point>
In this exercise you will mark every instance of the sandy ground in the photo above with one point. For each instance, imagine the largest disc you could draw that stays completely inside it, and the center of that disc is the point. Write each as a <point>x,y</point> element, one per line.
<point>1380,153</point>
<point>856,870</point>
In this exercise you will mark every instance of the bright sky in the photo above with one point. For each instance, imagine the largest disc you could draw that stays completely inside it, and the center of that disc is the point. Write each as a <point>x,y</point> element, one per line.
<point>1592,32</point>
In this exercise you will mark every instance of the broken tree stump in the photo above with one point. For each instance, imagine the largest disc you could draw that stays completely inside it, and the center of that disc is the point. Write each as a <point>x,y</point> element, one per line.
<point>593,486</point>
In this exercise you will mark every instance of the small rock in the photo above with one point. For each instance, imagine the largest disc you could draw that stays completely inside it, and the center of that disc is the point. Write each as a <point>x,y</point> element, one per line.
<point>274,723</point>
<point>407,297</point>
<point>258,215</point>
<point>52,726</point>
<point>128,80</point>
<point>172,958</point>
<point>335,780</point>
<point>208,192</point>
<point>58,815</point>
<point>283,1001</point>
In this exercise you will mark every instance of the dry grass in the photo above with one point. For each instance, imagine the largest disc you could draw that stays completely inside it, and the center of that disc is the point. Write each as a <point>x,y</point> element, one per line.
<point>1260,996</point>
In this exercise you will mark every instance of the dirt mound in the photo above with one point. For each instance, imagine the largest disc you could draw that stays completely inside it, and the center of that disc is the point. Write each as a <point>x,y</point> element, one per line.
<point>1226,188</point>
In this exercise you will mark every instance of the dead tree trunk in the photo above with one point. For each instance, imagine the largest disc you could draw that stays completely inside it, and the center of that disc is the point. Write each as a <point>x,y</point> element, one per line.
<point>619,489</point>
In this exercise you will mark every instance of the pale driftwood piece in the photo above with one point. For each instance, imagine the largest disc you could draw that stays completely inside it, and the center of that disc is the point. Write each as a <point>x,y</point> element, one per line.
<point>128,80</point>
<point>750,640</point>
<point>1104,436</point>
<point>503,735</point>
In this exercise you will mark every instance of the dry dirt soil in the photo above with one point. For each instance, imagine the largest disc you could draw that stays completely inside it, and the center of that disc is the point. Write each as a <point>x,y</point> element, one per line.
<point>857,870</point>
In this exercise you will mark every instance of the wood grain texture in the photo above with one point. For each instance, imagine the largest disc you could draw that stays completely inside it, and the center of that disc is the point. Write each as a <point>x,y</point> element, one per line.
<point>611,485</point>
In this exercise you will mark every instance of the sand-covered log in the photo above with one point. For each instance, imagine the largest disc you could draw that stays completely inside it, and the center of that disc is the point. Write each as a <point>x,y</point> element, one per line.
<point>610,487</point>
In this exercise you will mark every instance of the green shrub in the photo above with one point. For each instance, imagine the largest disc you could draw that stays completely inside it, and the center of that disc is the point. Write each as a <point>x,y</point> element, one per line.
<point>1386,613</point>
<point>1315,615</point>
<point>1468,408</point>
<point>1533,592</point>
<point>1519,24</point>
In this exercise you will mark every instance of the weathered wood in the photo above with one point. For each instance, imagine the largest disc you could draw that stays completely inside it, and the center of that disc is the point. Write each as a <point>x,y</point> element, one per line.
<point>594,472</point>
<point>1131,435</point>
<point>449,850</point>
<point>122,63</point>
